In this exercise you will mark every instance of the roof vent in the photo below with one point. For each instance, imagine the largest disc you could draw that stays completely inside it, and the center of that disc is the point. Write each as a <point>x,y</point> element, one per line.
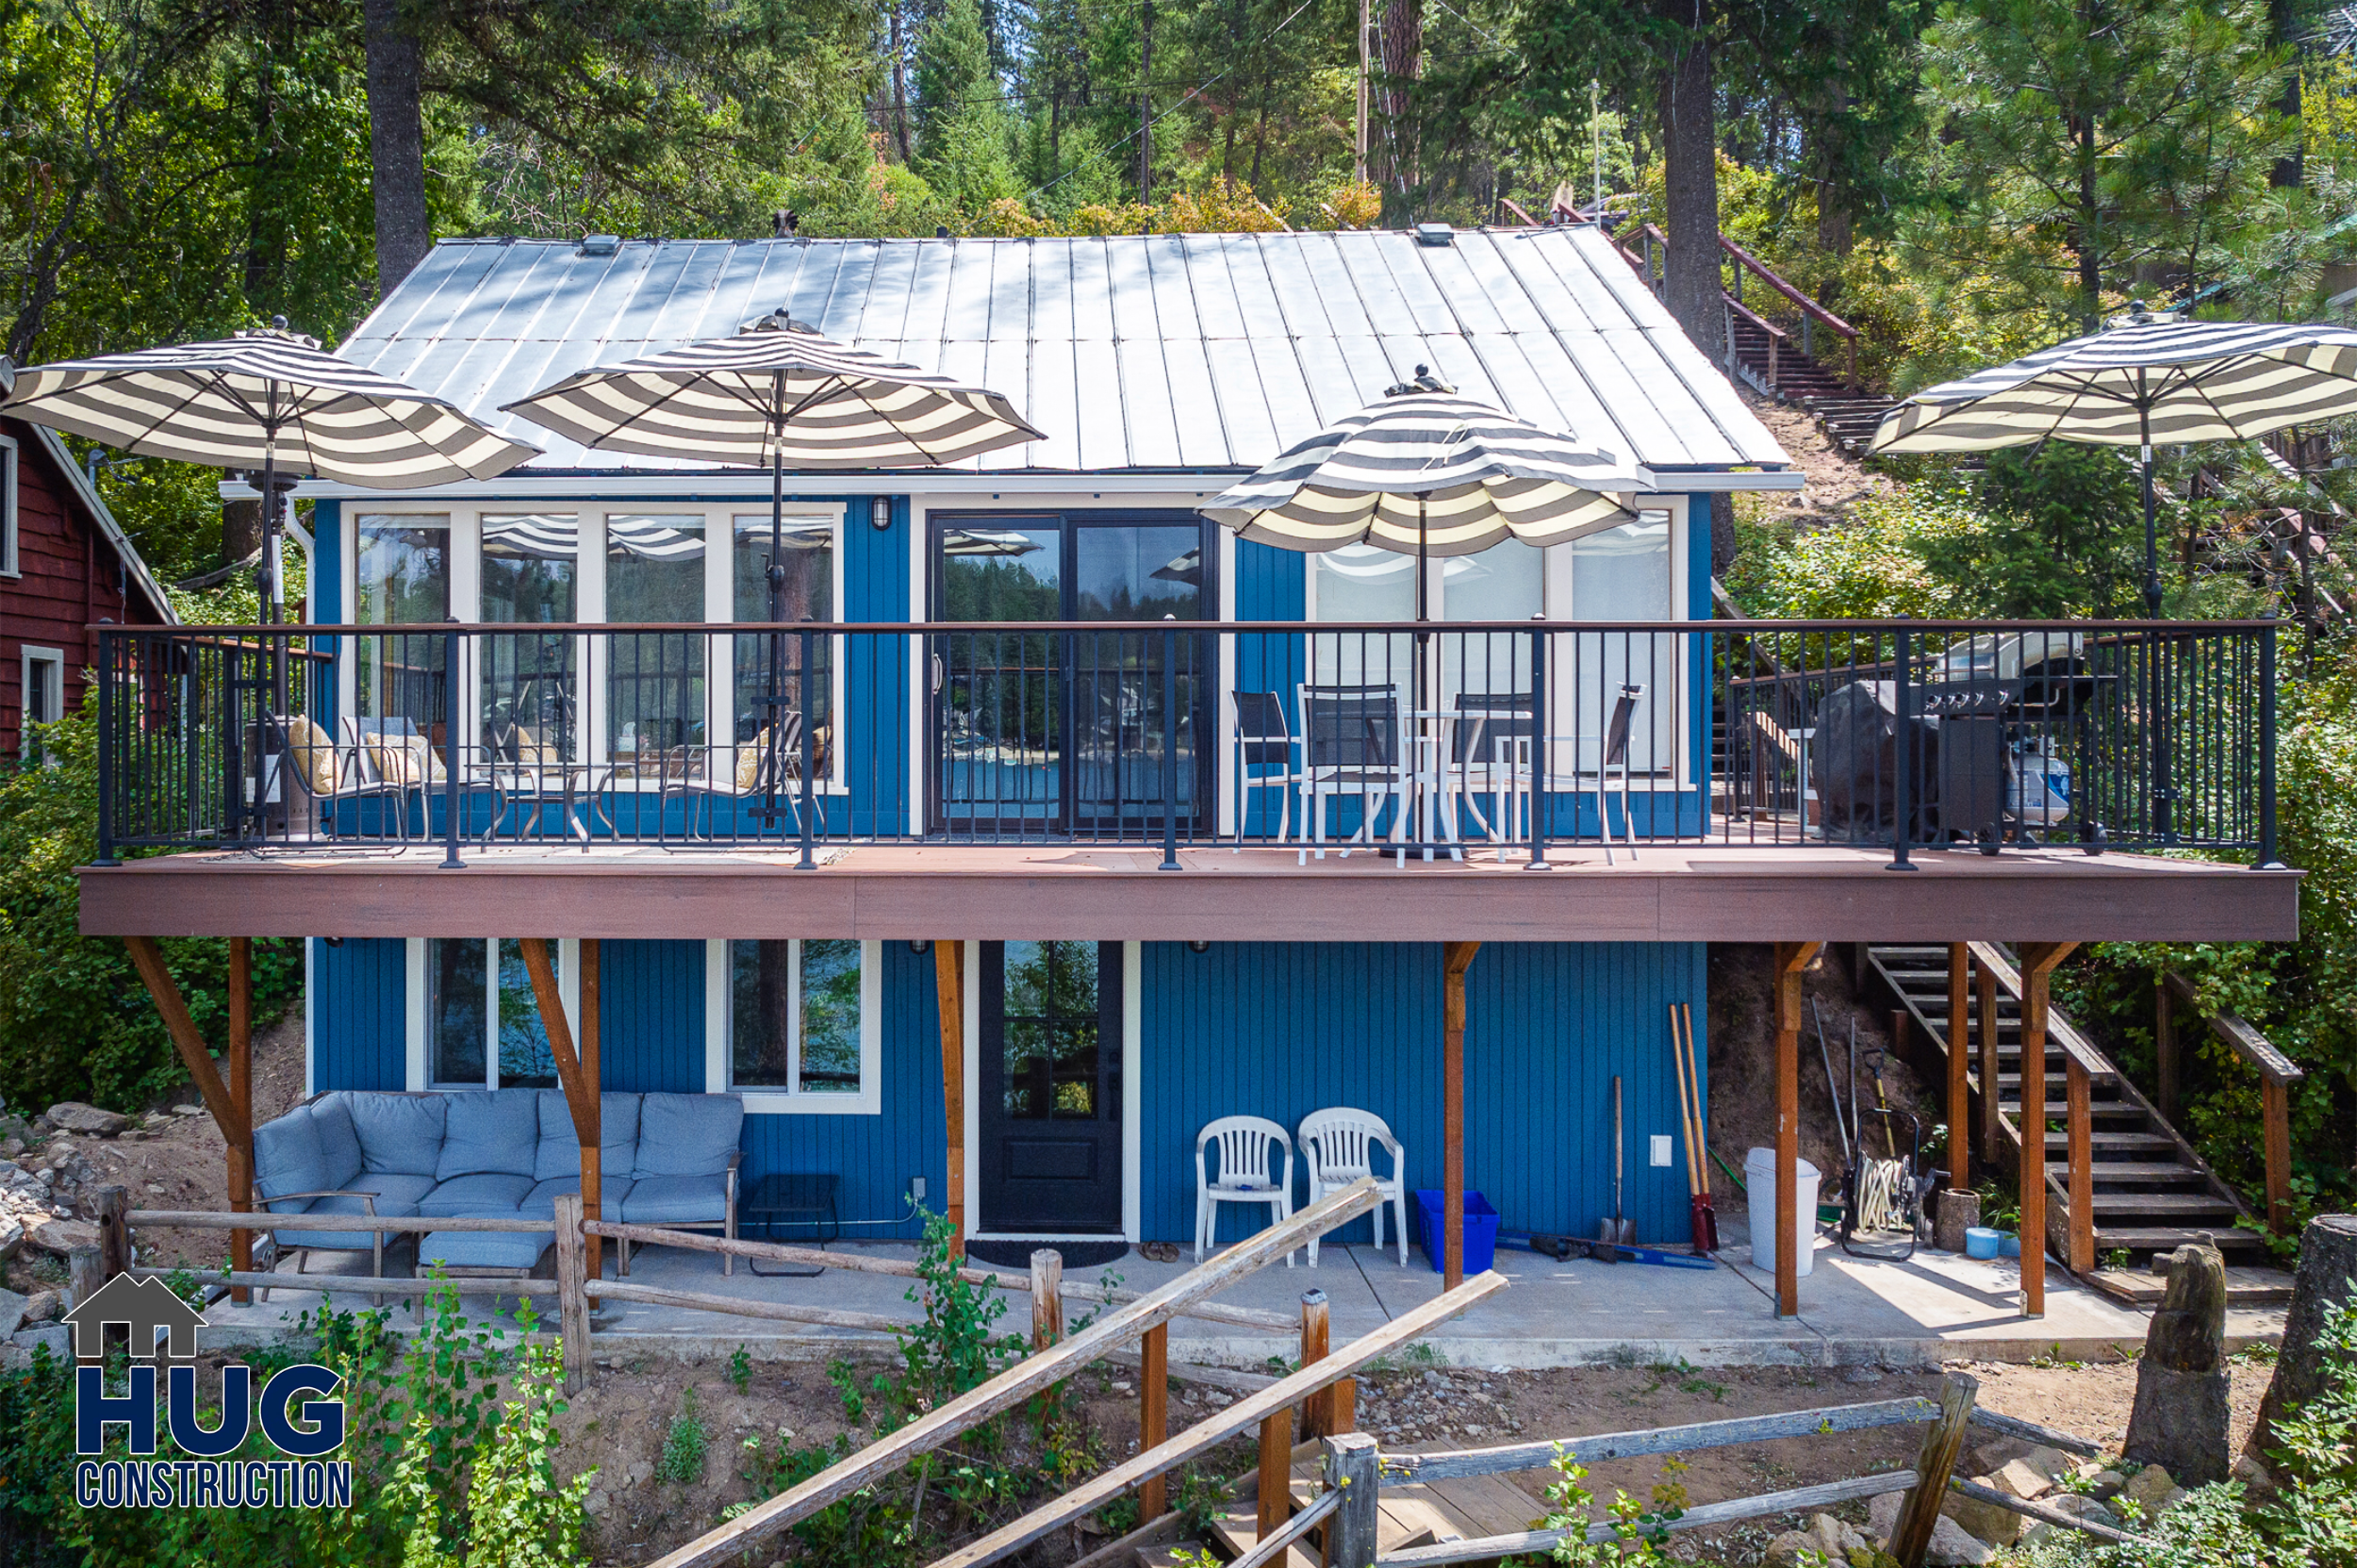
<point>1435,234</point>
<point>600,244</point>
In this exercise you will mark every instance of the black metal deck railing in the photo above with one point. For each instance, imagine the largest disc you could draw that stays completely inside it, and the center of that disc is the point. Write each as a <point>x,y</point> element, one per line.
<point>1504,739</point>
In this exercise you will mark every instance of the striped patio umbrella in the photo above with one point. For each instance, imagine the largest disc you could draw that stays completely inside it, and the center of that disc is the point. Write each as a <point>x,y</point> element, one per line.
<point>2147,377</point>
<point>1427,472</point>
<point>266,400</point>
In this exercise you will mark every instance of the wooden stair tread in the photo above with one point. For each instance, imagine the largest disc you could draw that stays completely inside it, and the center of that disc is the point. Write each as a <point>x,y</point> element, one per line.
<point>1238,1531</point>
<point>2168,1238</point>
<point>2147,1170</point>
<point>2245,1287</point>
<point>2188,1204</point>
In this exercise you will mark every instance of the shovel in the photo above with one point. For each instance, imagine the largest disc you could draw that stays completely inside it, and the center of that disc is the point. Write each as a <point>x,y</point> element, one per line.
<point>1705,1219</point>
<point>1572,1246</point>
<point>1618,1231</point>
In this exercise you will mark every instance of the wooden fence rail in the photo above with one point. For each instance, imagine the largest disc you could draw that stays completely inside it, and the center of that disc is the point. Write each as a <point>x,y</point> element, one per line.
<point>1415,1469</point>
<point>194,1219</point>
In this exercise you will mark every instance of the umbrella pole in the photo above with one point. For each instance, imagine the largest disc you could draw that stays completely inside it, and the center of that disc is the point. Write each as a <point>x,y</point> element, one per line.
<point>266,582</point>
<point>773,759</point>
<point>2152,549</point>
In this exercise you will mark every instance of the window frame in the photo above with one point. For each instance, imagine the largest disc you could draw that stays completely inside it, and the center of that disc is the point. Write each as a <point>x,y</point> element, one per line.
<point>791,1099</point>
<point>11,473</point>
<point>47,665</point>
<point>417,1075</point>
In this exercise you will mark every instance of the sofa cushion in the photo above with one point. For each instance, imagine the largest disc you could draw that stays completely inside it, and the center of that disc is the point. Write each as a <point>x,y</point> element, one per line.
<point>478,1192</point>
<point>396,1193</point>
<point>676,1200</point>
<point>287,1158</point>
<point>516,1250</point>
<point>559,1154</point>
<point>688,1134</point>
<point>339,1145</point>
<point>399,1133</point>
<point>540,1202</point>
<point>329,1241</point>
<point>498,1131</point>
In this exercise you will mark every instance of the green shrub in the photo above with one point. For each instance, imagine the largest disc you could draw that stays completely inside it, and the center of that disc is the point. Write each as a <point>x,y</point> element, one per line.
<point>75,1023</point>
<point>683,1443</point>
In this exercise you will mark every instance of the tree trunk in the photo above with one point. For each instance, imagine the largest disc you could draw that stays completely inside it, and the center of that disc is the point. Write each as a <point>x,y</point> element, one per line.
<point>2086,229</point>
<point>1690,285</point>
<point>1401,35</point>
<point>396,143</point>
<point>240,528</point>
<point>2328,1257</point>
<point>900,89</point>
<point>2285,28</point>
<point>2180,1415</point>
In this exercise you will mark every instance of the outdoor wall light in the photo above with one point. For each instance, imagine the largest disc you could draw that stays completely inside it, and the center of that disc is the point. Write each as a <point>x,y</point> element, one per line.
<point>920,946</point>
<point>880,513</point>
<point>1198,946</point>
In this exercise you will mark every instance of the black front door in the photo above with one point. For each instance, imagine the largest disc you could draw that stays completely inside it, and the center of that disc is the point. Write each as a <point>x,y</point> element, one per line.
<point>1051,1124</point>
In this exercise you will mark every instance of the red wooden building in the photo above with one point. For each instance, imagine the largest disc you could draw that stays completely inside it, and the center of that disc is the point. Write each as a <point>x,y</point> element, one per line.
<point>64,565</point>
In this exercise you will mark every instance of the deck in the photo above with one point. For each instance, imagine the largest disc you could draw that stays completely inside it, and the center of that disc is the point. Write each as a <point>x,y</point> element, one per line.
<point>1669,892</point>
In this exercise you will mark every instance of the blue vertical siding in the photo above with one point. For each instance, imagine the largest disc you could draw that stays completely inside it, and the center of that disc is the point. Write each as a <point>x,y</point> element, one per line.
<point>876,588</point>
<point>360,1014</point>
<point>650,1016</point>
<point>327,597</point>
<point>1279,1030</point>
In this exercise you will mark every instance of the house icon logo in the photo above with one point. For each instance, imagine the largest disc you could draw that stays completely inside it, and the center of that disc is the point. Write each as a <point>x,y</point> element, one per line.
<point>143,1307</point>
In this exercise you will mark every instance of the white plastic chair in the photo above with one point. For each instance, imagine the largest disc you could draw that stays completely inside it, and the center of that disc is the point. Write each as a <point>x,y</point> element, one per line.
<point>1248,1173</point>
<point>1338,1145</point>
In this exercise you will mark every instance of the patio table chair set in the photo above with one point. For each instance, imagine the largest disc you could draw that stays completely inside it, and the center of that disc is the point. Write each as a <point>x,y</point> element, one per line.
<point>1249,1161</point>
<point>1433,769</point>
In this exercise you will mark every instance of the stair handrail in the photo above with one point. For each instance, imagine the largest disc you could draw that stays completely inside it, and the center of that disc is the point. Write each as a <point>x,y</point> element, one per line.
<point>1809,308</point>
<point>2277,1074</point>
<point>2060,1031</point>
<point>1768,276</point>
<point>2239,1037</point>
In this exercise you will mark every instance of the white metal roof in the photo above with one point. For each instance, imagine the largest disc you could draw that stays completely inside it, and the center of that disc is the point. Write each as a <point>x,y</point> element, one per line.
<point>1157,352</point>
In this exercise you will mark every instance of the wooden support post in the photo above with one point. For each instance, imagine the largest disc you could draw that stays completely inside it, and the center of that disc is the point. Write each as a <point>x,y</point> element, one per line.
<point>1047,1313</point>
<point>1992,1132</point>
<point>2082,1168</point>
<point>2275,1097</point>
<point>1456,958</point>
<point>84,1274</point>
<point>593,1095</point>
<point>1153,1411</point>
<point>949,986</point>
<point>2038,961</point>
<point>1351,1468</point>
<point>232,1112</point>
<point>114,1234</point>
<point>240,1086</point>
<point>1275,1504</point>
<point>1793,1230</point>
<point>2164,1049</point>
<point>1919,1509</point>
<point>1316,1418</point>
<point>1959,1041</point>
<point>573,1297</point>
<point>580,1092</point>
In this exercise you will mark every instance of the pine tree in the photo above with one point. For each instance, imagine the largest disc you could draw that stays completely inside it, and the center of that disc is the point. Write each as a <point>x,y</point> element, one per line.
<point>964,145</point>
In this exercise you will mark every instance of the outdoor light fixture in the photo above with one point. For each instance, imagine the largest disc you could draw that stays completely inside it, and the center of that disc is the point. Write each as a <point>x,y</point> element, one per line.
<point>919,946</point>
<point>1198,946</point>
<point>880,513</point>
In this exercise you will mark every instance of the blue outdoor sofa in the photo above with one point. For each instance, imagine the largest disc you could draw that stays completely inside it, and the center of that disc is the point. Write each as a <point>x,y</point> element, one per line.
<point>668,1159</point>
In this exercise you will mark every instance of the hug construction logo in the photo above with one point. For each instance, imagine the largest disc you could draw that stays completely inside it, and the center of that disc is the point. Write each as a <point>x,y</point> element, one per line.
<point>305,1429</point>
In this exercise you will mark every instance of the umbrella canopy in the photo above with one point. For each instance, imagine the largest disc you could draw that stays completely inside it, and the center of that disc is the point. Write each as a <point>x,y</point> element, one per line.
<point>777,394</point>
<point>2146,378</point>
<point>1427,472</point>
<point>265,400</point>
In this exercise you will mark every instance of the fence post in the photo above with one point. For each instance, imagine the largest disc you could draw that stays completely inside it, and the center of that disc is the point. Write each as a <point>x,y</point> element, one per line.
<point>573,1292</point>
<point>2266,861</point>
<point>1153,1411</point>
<point>1538,650</point>
<point>108,650</point>
<point>1919,1509</point>
<point>1046,1311</point>
<point>2275,1097</point>
<point>1170,751</point>
<point>2079,1130</point>
<point>114,1235</point>
<point>1275,1504</point>
<point>451,690</point>
<point>84,1274</point>
<point>1903,754</point>
<point>1353,1467</point>
<point>810,754</point>
<point>1317,1412</point>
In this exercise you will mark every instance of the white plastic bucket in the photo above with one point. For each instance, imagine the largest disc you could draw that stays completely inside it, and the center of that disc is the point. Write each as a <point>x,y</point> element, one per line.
<point>2038,786</point>
<point>1759,1188</point>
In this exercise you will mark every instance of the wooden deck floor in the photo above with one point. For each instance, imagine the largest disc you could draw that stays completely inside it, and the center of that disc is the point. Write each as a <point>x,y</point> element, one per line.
<point>1688,892</point>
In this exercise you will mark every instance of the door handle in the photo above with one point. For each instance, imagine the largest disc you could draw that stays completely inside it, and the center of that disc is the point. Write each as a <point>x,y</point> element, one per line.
<point>937,671</point>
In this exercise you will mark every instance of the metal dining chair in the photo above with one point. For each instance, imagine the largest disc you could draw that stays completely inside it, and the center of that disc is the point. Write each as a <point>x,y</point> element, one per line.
<point>1350,743</point>
<point>1264,739</point>
<point>1493,751</point>
<point>1616,738</point>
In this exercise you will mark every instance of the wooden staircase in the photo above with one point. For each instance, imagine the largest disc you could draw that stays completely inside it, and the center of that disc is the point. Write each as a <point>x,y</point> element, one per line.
<point>2149,1192</point>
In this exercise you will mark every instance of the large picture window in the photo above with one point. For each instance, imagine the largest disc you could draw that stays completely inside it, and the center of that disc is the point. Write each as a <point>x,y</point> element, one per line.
<point>774,695</point>
<point>797,1024</point>
<point>531,566</point>
<point>403,578</point>
<point>654,573</point>
<point>483,1026</point>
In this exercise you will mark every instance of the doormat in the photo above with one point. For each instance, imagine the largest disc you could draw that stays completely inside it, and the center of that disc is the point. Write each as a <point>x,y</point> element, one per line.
<point>1018,1254</point>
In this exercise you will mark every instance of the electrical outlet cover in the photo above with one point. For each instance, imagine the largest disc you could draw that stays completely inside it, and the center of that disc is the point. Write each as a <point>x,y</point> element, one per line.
<point>1661,1149</point>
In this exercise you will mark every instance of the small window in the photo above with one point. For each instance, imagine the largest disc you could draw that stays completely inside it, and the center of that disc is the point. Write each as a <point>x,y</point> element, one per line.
<point>483,1021</point>
<point>45,699</point>
<point>801,1024</point>
<point>8,505</point>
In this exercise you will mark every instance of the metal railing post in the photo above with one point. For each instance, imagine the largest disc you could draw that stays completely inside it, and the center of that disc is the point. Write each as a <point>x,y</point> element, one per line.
<point>1538,653</point>
<point>809,756</point>
<point>2266,861</point>
<point>450,754</point>
<point>1904,759</point>
<point>1170,751</point>
<point>106,655</point>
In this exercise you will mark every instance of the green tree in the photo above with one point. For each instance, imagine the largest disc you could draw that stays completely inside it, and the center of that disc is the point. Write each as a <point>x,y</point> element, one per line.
<point>963,141</point>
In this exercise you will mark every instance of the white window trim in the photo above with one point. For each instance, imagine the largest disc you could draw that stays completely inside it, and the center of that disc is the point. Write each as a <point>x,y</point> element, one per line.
<point>418,1046</point>
<point>792,1101</point>
<point>466,569</point>
<point>49,663</point>
<point>11,471</point>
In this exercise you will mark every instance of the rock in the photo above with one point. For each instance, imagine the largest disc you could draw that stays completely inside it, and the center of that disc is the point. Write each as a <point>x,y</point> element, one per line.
<point>1994,1455</point>
<point>11,1239</point>
<point>11,1313</point>
<point>2148,1487</point>
<point>43,1307</point>
<point>2176,1494</point>
<point>2021,1478</point>
<point>1956,1213</point>
<point>61,1237</point>
<point>188,1109</point>
<point>12,1147</point>
<point>2328,1256</point>
<point>75,1116</point>
<point>1862,1375</point>
<point>2181,1413</point>
<point>2253,1473</point>
<point>55,1335</point>
<point>1999,1526</point>
<point>1785,1550</point>
<point>1950,1546</point>
<point>2078,1508</point>
<point>2105,1485</point>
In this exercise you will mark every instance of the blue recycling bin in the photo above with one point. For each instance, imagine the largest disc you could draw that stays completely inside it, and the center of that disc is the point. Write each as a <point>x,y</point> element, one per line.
<point>1481,1230</point>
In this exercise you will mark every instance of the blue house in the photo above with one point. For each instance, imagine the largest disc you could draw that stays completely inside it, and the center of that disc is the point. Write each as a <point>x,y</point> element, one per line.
<point>1016,853</point>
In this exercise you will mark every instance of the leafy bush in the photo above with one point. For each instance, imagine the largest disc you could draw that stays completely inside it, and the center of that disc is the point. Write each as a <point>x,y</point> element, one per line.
<point>75,1023</point>
<point>516,1515</point>
<point>684,1442</point>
